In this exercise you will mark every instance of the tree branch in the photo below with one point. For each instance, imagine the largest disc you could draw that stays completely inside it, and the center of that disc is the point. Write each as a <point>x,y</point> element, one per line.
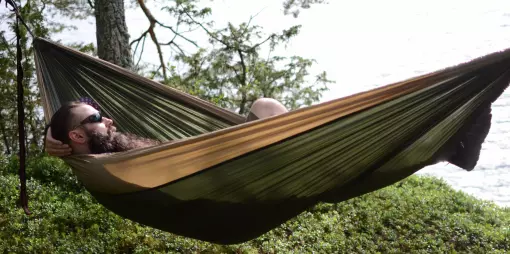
<point>235,71</point>
<point>207,30</point>
<point>156,72</point>
<point>243,83</point>
<point>243,65</point>
<point>262,42</point>
<point>141,51</point>
<point>153,22</point>
<point>151,31</point>
<point>171,42</point>
<point>138,39</point>
<point>43,6</point>
<point>190,30</point>
<point>251,19</point>
<point>178,34</point>
<point>275,79</point>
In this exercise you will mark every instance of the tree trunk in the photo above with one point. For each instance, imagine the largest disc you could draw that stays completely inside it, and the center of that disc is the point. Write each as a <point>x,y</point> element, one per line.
<point>112,33</point>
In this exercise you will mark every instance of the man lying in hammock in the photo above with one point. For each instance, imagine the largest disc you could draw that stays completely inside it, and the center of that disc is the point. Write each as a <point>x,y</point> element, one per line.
<point>79,128</point>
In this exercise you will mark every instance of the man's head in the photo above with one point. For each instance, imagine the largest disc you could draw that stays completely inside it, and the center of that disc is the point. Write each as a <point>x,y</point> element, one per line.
<point>87,131</point>
<point>77,123</point>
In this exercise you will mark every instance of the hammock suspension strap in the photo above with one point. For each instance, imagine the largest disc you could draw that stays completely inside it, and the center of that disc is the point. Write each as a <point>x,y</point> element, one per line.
<point>23,201</point>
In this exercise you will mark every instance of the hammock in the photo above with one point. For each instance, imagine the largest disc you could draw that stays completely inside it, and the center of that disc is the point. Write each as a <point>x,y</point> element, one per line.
<point>226,181</point>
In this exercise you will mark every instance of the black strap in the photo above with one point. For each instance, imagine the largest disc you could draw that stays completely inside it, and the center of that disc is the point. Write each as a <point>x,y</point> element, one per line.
<point>21,127</point>
<point>23,201</point>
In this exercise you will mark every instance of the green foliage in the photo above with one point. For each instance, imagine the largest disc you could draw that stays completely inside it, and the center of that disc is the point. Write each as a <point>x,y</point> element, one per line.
<point>232,74</point>
<point>40,17</point>
<point>32,14</point>
<point>293,6</point>
<point>68,8</point>
<point>241,68</point>
<point>7,97</point>
<point>418,214</point>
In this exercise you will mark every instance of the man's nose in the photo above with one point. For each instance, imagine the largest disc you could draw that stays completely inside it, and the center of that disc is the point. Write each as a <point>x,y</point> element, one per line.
<point>108,122</point>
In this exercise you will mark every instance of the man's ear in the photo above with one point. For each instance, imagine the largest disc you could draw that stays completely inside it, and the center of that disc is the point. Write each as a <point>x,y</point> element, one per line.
<point>78,136</point>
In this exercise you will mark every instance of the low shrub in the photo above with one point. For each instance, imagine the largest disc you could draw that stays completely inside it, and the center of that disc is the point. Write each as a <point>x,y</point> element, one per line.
<point>418,214</point>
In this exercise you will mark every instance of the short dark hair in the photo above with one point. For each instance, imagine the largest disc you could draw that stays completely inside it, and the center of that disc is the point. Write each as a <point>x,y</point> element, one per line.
<point>61,121</point>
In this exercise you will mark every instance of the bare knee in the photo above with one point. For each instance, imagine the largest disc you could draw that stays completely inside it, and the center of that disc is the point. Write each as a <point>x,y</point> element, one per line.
<point>267,107</point>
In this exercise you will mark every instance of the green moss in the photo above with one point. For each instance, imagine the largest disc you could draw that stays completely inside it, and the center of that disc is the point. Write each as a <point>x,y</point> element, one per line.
<point>418,215</point>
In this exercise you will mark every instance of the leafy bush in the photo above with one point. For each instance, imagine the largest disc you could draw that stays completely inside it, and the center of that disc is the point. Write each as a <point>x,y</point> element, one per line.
<point>419,214</point>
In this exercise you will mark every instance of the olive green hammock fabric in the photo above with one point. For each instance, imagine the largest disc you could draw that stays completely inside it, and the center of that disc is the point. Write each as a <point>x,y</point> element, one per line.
<point>222,180</point>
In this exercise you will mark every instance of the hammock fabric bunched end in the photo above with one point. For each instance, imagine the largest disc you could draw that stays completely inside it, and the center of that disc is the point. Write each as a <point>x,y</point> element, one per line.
<point>226,181</point>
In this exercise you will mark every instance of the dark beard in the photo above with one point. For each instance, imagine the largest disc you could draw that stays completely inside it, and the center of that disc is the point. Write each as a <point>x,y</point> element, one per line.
<point>116,142</point>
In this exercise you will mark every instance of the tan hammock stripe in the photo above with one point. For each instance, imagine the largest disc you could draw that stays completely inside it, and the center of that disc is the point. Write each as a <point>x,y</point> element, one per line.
<point>183,159</point>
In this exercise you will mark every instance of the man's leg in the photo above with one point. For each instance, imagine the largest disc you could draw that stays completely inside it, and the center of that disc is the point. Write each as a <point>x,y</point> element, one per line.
<point>265,107</point>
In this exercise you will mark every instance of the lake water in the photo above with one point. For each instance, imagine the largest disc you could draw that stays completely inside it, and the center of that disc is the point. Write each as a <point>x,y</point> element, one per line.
<point>395,40</point>
<point>369,43</point>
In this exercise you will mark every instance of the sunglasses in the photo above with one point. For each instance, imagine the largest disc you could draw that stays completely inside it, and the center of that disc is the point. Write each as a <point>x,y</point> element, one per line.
<point>94,118</point>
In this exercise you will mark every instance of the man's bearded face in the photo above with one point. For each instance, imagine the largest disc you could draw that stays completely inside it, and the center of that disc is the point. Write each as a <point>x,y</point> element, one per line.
<point>113,141</point>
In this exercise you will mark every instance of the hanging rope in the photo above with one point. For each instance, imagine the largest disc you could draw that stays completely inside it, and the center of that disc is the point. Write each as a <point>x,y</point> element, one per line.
<point>21,112</point>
